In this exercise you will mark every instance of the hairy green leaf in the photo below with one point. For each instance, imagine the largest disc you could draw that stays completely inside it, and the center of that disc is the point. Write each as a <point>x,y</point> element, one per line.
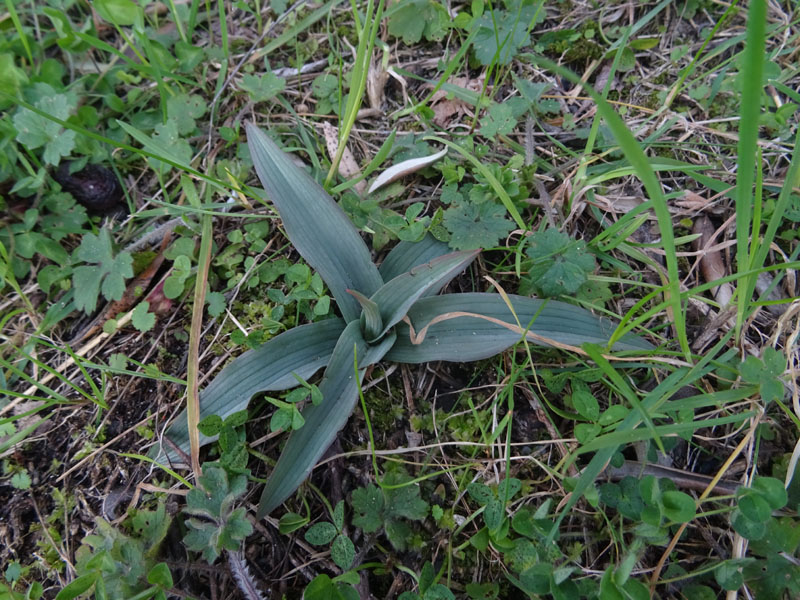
<point>368,503</point>
<point>262,87</point>
<point>414,19</point>
<point>318,228</point>
<point>560,264</point>
<point>476,225</point>
<point>501,33</point>
<point>103,268</point>
<point>34,130</point>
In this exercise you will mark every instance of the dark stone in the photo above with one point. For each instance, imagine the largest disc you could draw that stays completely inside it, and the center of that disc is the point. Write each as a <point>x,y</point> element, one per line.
<point>95,187</point>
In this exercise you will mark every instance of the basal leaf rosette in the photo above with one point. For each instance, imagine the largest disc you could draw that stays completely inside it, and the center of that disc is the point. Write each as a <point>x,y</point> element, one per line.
<point>389,312</point>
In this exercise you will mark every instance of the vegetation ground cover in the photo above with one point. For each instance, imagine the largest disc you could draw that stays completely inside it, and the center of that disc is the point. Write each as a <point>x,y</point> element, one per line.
<point>637,161</point>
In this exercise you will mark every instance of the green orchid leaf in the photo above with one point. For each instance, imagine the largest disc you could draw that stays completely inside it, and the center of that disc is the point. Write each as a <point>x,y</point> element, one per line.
<point>407,255</point>
<point>270,367</point>
<point>473,326</point>
<point>371,321</point>
<point>339,389</point>
<point>316,226</point>
<point>398,295</point>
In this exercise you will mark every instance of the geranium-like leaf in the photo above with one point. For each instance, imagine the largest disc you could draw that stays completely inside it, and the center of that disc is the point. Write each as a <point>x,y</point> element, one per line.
<point>407,255</point>
<point>105,268</point>
<point>398,295</point>
<point>316,226</point>
<point>270,367</point>
<point>476,225</point>
<point>339,389</point>
<point>560,264</point>
<point>473,326</point>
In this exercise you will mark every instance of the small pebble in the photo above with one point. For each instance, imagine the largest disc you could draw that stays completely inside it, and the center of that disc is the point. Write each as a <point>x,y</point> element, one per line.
<point>95,187</point>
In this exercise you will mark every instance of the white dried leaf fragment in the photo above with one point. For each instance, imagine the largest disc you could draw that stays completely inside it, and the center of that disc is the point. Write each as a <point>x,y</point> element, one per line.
<point>404,168</point>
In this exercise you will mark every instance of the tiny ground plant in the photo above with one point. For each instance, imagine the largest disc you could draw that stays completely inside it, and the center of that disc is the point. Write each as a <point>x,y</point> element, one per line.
<point>389,313</point>
<point>114,564</point>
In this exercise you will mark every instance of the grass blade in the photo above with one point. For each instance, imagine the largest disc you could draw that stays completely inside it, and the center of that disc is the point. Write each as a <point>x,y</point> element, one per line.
<point>621,385</point>
<point>358,83</point>
<point>484,170</point>
<point>652,402</point>
<point>750,108</point>
<point>634,153</point>
<point>195,333</point>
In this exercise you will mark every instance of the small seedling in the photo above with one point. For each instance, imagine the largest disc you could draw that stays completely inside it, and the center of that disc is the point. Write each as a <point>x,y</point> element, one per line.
<point>390,507</point>
<point>215,525</point>
<point>118,565</point>
<point>324,533</point>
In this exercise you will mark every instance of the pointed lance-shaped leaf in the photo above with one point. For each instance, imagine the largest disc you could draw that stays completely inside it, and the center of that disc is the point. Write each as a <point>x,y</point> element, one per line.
<point>323,421</point>
<point>270,367</point>
<point>315,224</point>
<point>407,255</point>
<point>371,320</point>
<point>398,295</point>
<point>474,326</point>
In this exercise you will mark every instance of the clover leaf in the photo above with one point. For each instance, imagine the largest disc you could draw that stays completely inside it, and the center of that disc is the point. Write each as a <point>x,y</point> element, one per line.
<point>261,88</point>
<point>765,372</point>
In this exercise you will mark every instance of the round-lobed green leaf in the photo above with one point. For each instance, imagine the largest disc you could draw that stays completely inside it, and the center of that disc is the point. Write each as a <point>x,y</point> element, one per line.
<point>342,551</point>
<point>755,508</point>
<point>772,490</point>
<point>751,530</point>
<point>585,403</point>
<point>321,534</point>
<point>678,506</point>
<point>160,575</point>
<point>537,579</point>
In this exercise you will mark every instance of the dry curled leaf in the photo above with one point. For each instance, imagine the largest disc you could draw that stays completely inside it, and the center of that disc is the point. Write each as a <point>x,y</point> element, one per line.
<point>404,168</point>
<point>348,167</point>
<point>376,82</point>
<point>711,264</point>
<point>445,107</point>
